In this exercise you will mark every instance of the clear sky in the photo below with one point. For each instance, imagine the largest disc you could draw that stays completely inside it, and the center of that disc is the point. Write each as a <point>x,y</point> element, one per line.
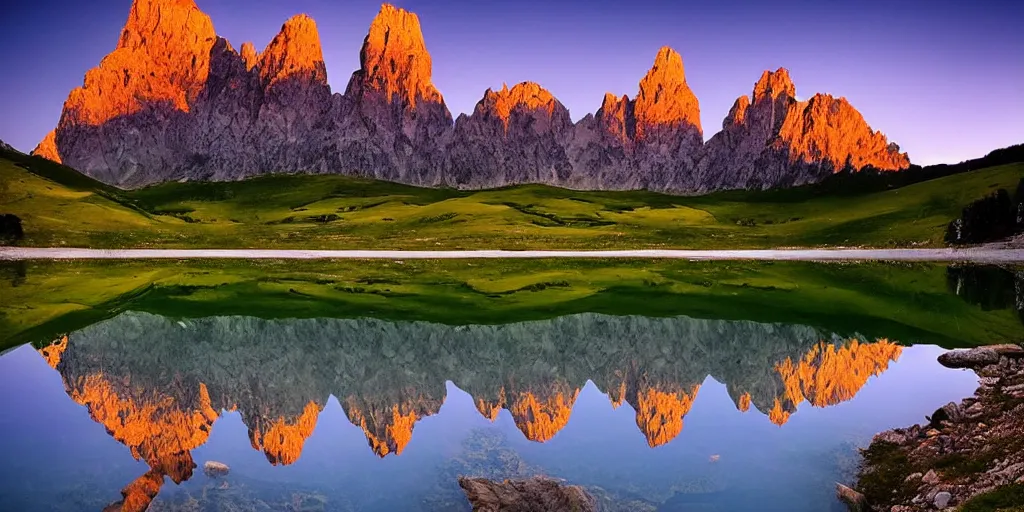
<point>944,79</point>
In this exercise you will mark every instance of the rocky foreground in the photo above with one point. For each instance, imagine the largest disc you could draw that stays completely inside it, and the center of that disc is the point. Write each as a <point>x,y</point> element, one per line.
<point>966,449</point>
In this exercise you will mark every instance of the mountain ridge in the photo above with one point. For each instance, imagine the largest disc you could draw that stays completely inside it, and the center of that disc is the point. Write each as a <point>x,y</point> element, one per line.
<point>174,101</point>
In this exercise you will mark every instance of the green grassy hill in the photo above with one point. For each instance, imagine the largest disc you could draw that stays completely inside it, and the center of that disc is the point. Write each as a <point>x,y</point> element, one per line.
<point>60,207</point>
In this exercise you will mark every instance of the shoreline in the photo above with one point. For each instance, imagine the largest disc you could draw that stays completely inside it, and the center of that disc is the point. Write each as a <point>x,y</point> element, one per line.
<point>969,455</point>
<point>973,254</point>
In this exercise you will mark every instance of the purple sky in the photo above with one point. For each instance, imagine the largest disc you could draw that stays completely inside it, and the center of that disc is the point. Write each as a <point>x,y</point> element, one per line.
<point>943,79</point>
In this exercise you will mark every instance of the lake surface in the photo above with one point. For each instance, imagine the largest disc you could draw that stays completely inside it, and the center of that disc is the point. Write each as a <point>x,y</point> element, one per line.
<point>122,403</point>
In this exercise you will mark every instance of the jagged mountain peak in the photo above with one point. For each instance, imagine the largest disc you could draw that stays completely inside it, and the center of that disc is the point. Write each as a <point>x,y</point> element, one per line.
<point>526,95</point>
<point>295,53</point>
<point>394,58</point>
<point>249,55</point>
<point>773,84</point>
<point>664,99</point>
<point>738,113</point>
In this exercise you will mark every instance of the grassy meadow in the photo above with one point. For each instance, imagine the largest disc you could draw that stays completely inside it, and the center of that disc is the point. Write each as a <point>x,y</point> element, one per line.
<point>60,207</point>
<point>910,303</point>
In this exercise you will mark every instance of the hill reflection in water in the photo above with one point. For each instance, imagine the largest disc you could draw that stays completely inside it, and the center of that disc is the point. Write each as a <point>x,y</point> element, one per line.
<point>158,384</point>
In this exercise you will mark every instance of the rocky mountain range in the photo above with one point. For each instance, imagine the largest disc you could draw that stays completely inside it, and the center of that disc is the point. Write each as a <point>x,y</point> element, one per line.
<point>174,101</point>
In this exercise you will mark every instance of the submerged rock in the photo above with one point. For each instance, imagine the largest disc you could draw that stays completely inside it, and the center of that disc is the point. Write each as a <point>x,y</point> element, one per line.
<point>854,500</point>
<point>214,469</point>
<point>537,494</point>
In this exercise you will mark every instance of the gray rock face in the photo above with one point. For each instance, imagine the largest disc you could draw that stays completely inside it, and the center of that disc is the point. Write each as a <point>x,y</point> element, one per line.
<point>198,110</point>
<point>514,136</point>
<point>6,147</point>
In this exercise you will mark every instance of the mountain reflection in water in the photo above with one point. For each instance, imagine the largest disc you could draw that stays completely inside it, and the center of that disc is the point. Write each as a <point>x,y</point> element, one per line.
<point>157,384</point>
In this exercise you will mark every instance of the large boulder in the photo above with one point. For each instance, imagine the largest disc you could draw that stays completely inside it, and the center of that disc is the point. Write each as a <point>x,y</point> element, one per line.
<point>537,494</point>
<point>969,358</point>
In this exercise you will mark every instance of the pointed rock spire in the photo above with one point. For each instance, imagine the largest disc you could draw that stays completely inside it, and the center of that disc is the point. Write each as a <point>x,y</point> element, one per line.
<point>388,427</point>
<point>394,58</point>
<point>163,55</point>
<point>249,55</point>
<point>660,412</point>
<point>616,117</point>
<point>294,53</point>
<point>541,416</point>
<point>47,147</point>
<point>738,113</point>
<point>773,84</point>
<point>282,440</point>
<point>743,404</point>
<point>665,100</point>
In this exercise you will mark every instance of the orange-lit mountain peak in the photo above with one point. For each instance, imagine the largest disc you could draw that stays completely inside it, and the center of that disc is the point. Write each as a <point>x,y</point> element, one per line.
<point>664,99</point>
<point>738,113</point>
<point>394,58</point>
<point>47,148</point>
<point>616,116</point>
<point>294,53</point>
<point>830,129</point>
<point>611,102</point>
<point>249,55</point>
<point>524,95</point>
<point>778,414</point>
<point>617,396</point>
<point>158,429</point>
<point>540,418</point>
<point>389,429</point>
<point>491,408</point>
<point>282,441</point>
<point>136,496</point>
<point>53,352</point>
<point>659,414</point>
<point>162,56</point>
<point>396,435</point>
<point>773,84</point>
<point>827,375</point>
<point>487,410</point>
<point>743,404</point>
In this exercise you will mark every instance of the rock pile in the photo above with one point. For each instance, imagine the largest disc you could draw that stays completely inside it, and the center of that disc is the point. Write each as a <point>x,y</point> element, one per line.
<point>965,449</point>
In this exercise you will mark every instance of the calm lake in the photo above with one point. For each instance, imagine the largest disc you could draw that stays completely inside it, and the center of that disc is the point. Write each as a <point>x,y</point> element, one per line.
<point>671,386</point>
